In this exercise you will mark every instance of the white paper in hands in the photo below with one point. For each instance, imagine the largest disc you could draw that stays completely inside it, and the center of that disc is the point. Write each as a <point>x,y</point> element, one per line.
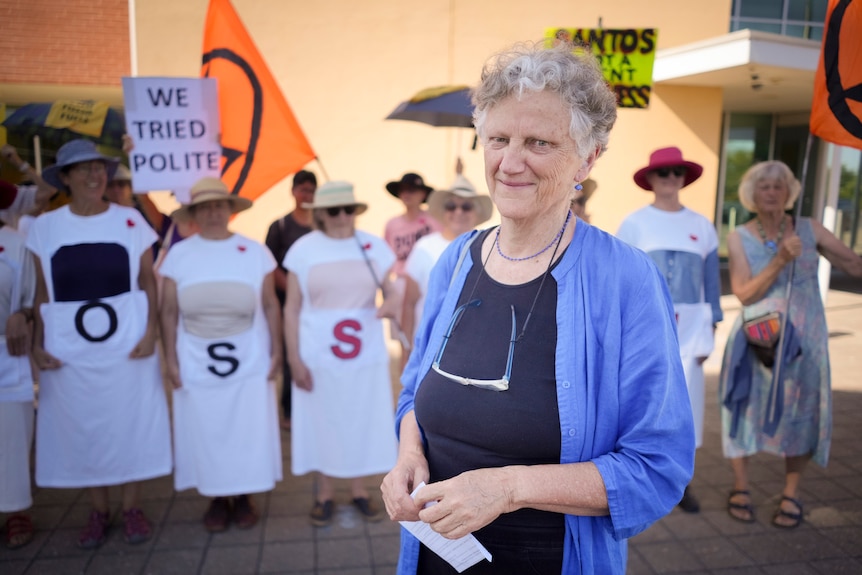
<point>460,553</point>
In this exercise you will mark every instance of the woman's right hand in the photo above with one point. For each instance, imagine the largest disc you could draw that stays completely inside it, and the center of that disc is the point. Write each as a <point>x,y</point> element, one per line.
<point>45,360</point>
<point>172,373</point>
<point>301,375</point>
<point>410,470</point>
<point>791,248</point>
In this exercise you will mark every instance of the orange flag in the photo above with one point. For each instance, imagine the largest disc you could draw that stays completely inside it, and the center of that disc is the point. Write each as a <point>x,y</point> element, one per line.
<point>836,111</point>
<point>261,139</point>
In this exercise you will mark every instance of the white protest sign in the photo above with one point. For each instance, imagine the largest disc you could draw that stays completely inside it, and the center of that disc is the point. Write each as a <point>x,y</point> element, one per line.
<point>174,123</point>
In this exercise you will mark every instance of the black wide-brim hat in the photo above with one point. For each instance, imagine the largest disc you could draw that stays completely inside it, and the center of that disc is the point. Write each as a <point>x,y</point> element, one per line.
<point>409,180</point>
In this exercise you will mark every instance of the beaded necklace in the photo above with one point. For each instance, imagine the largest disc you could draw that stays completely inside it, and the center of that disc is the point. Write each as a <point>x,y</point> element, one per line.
<point>771,245</point>
<point>558,240</point>
<point>541,251</point>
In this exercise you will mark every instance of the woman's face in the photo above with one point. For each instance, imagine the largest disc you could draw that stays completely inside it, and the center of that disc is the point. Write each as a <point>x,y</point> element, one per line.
<point>667,182</point>
<point>86,180</point>
<point>119,192</point>
<point>337,222</point>
<point>531,162</point>
<point>459,215</point>
<point>411,197</point>
<point>213,216</point>
<point>770,195</point>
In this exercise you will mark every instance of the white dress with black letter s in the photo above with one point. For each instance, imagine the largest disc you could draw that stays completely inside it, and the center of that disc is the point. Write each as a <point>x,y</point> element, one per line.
<point>345,426</point>
<point>226,434</point>
<point>103,417</point>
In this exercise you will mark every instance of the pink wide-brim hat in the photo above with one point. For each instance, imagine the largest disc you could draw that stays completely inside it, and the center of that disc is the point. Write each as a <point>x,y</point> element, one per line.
<point>668,158</point>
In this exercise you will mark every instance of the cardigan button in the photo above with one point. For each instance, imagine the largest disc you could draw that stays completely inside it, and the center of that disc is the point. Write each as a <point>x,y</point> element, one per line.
<point>571,433</point>
<point>566,385</point>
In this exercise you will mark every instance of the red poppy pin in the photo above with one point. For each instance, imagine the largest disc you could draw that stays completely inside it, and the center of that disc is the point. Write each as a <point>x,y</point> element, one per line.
<point>241,248</point>
<point>130,223</point>
<point>366,247</point>
<point>2,249</point>
<point>693,237</point>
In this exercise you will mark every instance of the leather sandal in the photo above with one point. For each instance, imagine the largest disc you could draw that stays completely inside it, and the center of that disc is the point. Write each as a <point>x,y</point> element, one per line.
<point>367,509</point>
<point>322,512</point>
<point>745,507</point>
<point>245,514</point>
<point>19,531</point>
<point>796,518</point>
<point>217,516</point>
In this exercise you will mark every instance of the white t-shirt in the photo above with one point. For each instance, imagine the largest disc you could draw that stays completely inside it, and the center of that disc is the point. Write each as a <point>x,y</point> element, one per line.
<point>421,261</point>
<point>218,282</point>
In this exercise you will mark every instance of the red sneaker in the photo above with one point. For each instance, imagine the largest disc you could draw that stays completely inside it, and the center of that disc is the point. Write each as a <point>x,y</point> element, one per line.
<point>137,528</point>
<point>95,532</point>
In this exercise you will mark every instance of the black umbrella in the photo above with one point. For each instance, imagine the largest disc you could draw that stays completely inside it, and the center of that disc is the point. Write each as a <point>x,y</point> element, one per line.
<point>439,106</point>
<point>35,120</point>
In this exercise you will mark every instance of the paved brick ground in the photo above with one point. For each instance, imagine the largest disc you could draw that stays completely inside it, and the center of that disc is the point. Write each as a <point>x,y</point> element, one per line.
<point>829,541</point>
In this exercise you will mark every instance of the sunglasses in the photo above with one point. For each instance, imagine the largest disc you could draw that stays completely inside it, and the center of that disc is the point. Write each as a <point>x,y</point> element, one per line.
<point>349,210</point>
<point>677,171</point>
<point>452,206</point>
<point>501,384</point>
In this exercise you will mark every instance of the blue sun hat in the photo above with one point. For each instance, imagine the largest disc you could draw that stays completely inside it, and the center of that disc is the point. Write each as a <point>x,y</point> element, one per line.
<point>75,152</point>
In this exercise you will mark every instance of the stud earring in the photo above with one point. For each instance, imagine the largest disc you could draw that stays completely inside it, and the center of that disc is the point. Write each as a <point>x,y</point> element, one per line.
<point>578,187</point>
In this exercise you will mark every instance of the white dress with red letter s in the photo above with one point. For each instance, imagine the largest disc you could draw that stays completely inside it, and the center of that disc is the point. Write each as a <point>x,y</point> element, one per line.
<point>343,427</point>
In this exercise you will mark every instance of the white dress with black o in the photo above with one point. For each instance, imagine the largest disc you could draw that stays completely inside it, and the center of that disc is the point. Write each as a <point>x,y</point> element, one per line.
<point>103,417</point>
<point>226,434</point>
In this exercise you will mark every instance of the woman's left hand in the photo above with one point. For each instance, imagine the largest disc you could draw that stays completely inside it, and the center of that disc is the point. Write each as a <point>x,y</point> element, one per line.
<point>17,334</point>
<point>388,309</point>
<point>465,503</point>
<point>274,367</point>
<point>146,347</point>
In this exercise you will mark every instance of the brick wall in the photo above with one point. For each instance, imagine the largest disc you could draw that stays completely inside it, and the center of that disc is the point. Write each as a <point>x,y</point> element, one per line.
<point>83,42</point>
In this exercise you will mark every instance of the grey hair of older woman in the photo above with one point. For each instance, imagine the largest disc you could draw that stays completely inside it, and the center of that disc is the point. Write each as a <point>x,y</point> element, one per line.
<point>773,170</point>
<point>575,76</point>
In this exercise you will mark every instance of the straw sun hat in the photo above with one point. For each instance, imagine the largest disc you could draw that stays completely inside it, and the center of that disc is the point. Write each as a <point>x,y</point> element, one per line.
<point>333,195</point>
<point>210,190</point>
<point>463,189</point>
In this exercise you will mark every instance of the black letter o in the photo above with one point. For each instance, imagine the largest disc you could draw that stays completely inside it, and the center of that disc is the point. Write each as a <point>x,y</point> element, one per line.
<point>112,321</point>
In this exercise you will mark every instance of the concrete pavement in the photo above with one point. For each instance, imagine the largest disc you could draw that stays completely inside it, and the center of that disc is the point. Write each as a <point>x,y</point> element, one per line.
<point>829,541</point>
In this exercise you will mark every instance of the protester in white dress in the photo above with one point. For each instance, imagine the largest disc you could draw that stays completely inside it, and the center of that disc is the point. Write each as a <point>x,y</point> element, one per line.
<point>17,284</point>
<point>103,417</point>
<point>459,209</point>
<point>684,246</point>
<point>342,413</point>
<point>222,336</point>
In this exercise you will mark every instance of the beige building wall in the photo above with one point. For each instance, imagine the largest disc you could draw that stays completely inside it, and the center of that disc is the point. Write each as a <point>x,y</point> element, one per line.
<point>344,65</point>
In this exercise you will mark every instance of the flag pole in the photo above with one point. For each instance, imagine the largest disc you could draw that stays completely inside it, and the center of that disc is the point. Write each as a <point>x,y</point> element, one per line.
<point>322,169</point>
<point>775,390</point>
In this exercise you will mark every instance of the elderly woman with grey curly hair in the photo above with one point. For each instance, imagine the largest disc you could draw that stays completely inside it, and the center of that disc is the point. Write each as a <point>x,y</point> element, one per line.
<point>800,422</point>
<point>544,408</point>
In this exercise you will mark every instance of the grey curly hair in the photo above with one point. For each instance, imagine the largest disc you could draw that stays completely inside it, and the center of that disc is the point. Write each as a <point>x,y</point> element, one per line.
<point>772,170</point>
<point>575,75</point>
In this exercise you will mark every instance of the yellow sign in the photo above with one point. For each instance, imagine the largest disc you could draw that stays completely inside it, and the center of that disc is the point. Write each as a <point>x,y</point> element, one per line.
<point>625,54</point>
<point>85,117</point>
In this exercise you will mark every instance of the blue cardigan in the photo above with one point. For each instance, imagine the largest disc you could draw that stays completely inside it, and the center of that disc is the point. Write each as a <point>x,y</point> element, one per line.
<point>621,391</point>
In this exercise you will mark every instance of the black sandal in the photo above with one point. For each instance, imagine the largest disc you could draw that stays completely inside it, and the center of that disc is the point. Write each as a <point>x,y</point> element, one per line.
<point>795,517</point>
<point>747,507</point>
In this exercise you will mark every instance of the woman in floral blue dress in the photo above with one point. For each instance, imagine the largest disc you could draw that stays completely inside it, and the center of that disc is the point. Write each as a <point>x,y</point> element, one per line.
<point>760,253</point>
